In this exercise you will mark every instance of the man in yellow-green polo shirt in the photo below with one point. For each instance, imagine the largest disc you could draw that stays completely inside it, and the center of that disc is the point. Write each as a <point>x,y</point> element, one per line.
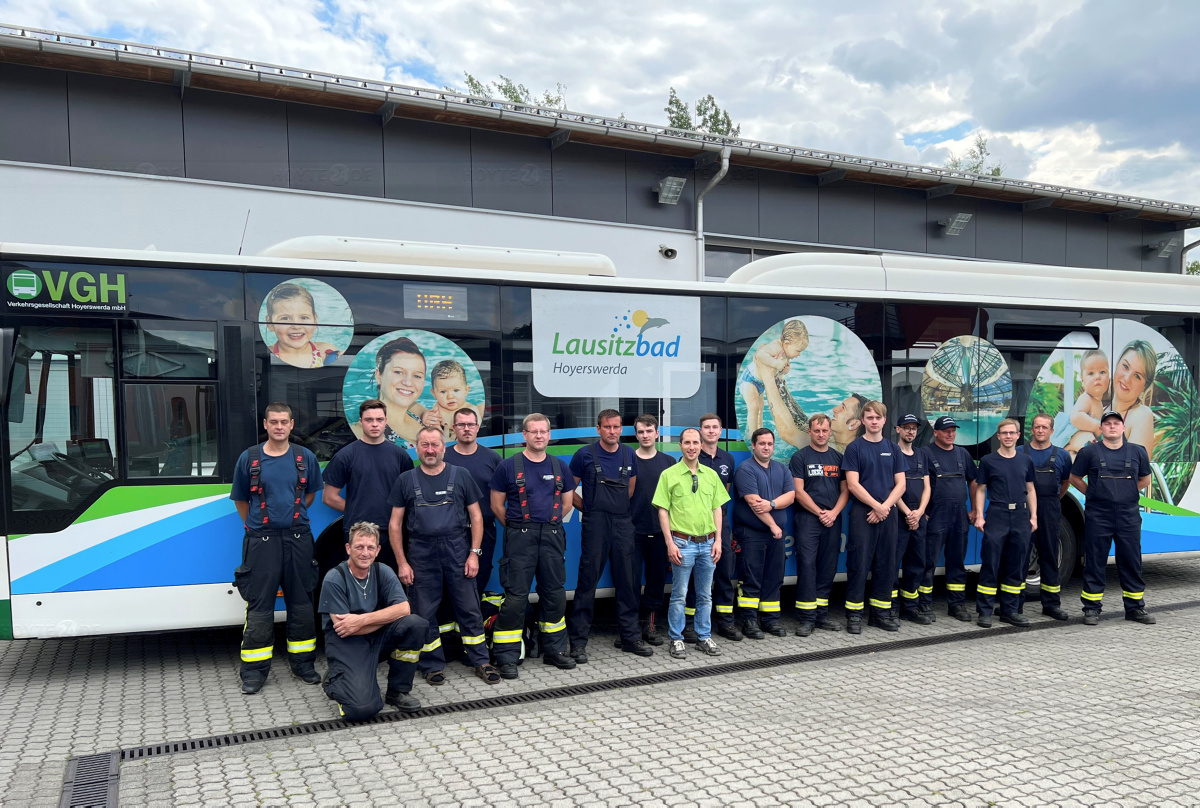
<point>689,498</point>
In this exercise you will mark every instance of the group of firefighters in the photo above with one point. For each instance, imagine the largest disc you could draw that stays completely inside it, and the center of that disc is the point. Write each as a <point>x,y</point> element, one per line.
<point>418,536</point>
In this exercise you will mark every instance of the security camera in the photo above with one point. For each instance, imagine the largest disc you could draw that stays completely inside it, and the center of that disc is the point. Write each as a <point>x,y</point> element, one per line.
<point>667,252</point>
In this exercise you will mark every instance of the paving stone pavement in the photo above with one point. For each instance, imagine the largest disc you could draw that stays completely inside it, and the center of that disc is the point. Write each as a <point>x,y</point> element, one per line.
<point>1073,715</point>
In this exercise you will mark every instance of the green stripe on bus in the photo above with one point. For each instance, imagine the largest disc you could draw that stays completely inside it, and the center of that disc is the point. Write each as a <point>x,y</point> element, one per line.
<point>6,627</point>
<point>1164,507</point>
<point>137,498</point>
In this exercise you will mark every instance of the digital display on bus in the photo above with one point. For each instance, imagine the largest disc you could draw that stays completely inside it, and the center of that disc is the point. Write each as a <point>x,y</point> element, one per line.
<point>435,302</point>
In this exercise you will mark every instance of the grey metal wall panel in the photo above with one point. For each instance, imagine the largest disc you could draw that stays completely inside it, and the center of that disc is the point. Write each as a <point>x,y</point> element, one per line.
<point>1155,233</point>
<point>33,124</point>
<point>997,230</point>
<point>1125,244</point>
<point>787,206</point>
<point>642,172</point>
<point>427,162</point>
<point>1044,237</point>
<point>901,219</point>
<point>335,150</point>
<point>511,172</point>
<point>589,182</point>
<point>125,125</point>
<point>731,207</point>
<point>235,138</point>
<point>941,209</point>
<point>847,214</point>
<point>1087,239</point>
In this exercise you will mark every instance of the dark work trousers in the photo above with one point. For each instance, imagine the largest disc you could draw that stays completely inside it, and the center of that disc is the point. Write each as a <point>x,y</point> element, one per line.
<point>532,548</point>
<point>946,532</point>
<point>351,678</point>
<point>607,538</point>
<point>1045,539</point>
<point>816,564</point>
<point>272,559</point>
<point>487,557</point>
<point>650,556</point>
<point>870,548</point>
<point>760,574</point>
<point>1104,524</point>
<point>911,546</point>
<point>722,587</point>
<point>437,563</point>
<point>1004,557</point>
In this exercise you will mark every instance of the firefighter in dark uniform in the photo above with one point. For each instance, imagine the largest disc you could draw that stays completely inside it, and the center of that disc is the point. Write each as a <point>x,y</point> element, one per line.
<point>1116,471</point>
<point>1006,477</point>
<point>1052,475</point>
<point>952,478</point>
<point>911,540</point>
<point>367,618</point>
<point>445,533</point>
<point>528,498</point>
<point>273,485</point>
<point>821,496</point>
<point>723,591</point>
<point>765,490</point>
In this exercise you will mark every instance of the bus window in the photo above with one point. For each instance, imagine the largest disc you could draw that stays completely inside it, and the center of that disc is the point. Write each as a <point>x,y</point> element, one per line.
<point>61,431</point>
<point>171,430</point>
<point>155,350</point>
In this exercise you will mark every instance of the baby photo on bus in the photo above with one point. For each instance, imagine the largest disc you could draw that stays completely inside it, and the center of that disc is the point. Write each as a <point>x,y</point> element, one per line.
<point>306,323</point>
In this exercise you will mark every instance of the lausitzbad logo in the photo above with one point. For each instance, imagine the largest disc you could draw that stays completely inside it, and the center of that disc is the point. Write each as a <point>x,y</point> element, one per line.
<point>619,343</point>
<point>24,284</point>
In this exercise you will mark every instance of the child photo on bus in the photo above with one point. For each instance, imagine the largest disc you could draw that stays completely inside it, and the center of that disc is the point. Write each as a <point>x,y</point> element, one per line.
<point>1089,407</point>
<point>771,361</point>
<point>291,324</point>
<point>449,386</point>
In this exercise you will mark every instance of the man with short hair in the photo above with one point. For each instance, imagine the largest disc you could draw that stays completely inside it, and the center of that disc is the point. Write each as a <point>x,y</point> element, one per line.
<point>723,592</point>
<point>1117,471</point>
<point>952,480</point>
<point>689,497</point>
<point>650,552</point>
<point>821,496</point>
<point>480,462</point>
<point>273,485</point>
<point>366,469</point>
<point>874,470</point>
<point>910,546</point>
<point>366,619</point>
<point>608,471</point>
<point>445,529</point>
<point>1007,479</point>
<point>765,491</point>
<point>527,497</point>
<point>1052,477</point>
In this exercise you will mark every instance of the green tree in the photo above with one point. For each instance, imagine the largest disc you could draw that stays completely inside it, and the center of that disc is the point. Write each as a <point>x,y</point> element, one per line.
<point>1192,268</point>
<point>975,160</point>
<point>710,118</point>
<point>508,90</point>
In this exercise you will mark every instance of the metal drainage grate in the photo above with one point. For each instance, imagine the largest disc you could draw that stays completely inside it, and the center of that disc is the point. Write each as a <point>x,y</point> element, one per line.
<point>570,691</point>
<point>91,781</point>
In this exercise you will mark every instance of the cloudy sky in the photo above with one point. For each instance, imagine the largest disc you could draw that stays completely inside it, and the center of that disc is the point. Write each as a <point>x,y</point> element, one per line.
<point>1098,94</point>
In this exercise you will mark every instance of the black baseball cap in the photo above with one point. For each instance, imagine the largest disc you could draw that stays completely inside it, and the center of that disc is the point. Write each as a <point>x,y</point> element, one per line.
<point>945,422</point>
<point>906,419</point>
<point>1112,414</point>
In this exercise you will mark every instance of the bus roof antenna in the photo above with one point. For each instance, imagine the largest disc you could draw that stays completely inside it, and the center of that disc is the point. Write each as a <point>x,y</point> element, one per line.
<point>245,226</point>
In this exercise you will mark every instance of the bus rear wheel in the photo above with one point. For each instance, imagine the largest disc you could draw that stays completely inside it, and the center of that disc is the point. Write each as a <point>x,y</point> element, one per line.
<point>1068,553</point>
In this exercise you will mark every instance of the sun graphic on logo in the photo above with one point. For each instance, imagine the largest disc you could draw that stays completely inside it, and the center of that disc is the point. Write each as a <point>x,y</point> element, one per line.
<point>640,317</point>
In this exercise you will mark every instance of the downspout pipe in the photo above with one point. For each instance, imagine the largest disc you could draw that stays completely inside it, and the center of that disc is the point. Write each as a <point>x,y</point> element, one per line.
<point>720,175</point>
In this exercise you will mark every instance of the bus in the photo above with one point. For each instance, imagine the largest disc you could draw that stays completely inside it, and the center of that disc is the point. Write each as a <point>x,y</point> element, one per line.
<point>132,381</point>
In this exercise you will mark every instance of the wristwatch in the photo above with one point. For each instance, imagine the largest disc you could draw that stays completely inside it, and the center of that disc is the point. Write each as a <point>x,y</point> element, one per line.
<point>772,504</point>
<point>477,551</point>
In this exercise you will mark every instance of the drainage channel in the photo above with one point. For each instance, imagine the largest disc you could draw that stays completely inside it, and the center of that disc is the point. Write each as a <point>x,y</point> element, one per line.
<point>91,780</point>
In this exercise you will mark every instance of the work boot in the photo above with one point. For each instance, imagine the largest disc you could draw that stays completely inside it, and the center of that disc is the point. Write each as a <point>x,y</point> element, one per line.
<point>689,632</point>
<point>558,660</point>
<point>959,612</point>
<point>882,618</point>
<point>729,631</point>
<point>1056,612</point>
<point>1140,616</point>
<point>1091,618</point>
<point>1018,620</point>
<point>751,629</point>
<point>984,621</point>
<point>916,616</point>
<point>854,622</point>
<point>805,628</point>
<point>509,671</point>
<point>578,654</point>
<point>927,608</point>
<point>774,629</point>
<point>252,683</point>
<point>640,648</point>
<point>306,673</point>
<point>650,631</point>
<point>404,702</point>
<point>828,624</point>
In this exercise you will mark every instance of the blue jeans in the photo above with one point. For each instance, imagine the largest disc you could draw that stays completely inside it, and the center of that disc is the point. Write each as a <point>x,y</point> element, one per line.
<point>697,556</point>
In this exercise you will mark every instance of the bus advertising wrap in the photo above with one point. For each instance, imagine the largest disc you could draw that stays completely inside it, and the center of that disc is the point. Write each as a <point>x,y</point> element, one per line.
<point>597,344</point>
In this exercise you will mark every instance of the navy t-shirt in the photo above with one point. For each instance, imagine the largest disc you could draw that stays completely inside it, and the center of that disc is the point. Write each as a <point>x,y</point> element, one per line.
<point>771,482</point>
<point>482,465</point>
<point>645,515</point>
<point>383,589</point>
<point>1040,457</point>
<point>367,471</point>
<point>1005,477</point>
<point>583,467</point>
<point>877,465</point>
<point>821,473</point>
<point>952,488</point>
<point>433,489</point>
<point>278,478</point>
<point>1087,465</point>
<point>724,464</point>
<point>539,488</point>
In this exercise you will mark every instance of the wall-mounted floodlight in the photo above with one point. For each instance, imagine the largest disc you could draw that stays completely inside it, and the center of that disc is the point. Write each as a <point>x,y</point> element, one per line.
<point>1165,248</point>
<point>669,189</point>
<point>955,224</point>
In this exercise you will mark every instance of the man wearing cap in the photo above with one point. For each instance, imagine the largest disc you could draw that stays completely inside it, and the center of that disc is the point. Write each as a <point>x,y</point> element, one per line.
<point>1052,476</point>
<point>1007,478</point>
<point>910,544</point>
<point>952,479</point>
<point>821,496</point>
<point>1116,471</point>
